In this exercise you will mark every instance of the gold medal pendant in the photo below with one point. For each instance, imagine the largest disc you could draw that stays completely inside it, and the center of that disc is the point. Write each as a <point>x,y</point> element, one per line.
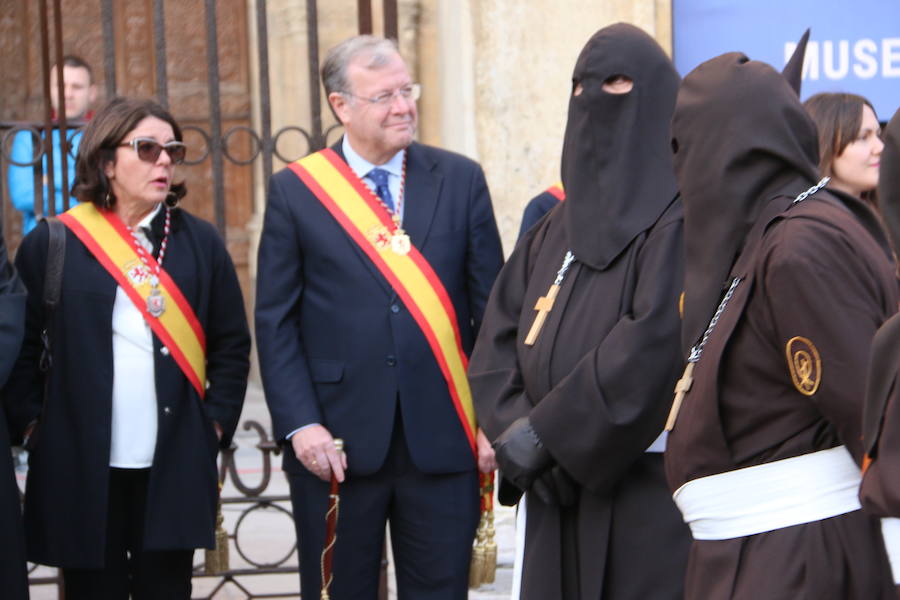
<point>400,243</point>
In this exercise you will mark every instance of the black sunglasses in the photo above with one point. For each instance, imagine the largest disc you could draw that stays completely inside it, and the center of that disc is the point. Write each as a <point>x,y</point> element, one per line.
<point>148,149</point>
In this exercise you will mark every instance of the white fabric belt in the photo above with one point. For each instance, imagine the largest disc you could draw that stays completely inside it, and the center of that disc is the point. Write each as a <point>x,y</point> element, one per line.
<point>890,529</point>
<point>771,496</point>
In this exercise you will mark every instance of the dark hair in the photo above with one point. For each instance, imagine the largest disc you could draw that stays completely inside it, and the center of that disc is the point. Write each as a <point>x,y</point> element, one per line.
<point>838,117</point>
<point>102,137</point>
<point>70,60</point>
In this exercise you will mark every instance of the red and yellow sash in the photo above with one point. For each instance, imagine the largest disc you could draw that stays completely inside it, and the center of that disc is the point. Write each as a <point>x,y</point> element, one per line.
<point>366,221</point>
<point>113,246</point>
<point>557,190</point>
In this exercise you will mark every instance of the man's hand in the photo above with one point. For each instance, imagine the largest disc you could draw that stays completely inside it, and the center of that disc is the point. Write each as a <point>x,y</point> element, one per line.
<point>314,448</point>
<point>520,454</point>
<point>487,462</point>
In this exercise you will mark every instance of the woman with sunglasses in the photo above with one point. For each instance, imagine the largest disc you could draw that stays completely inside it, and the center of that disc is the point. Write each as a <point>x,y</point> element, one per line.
<point>149,354</point>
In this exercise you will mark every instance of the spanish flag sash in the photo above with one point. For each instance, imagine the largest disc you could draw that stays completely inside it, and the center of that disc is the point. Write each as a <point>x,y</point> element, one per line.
<point>112,244</point>
<point>557,190</point>
<point>367,222</point>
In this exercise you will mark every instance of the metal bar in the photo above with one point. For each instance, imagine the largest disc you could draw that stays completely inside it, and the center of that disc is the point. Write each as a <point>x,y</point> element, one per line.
<point>109,47</point>
<point>215,116</point>
<point>315,100</point>
<point>265,103</point>
<point>60,114</point>
<point>159,45</point>
<point>365,16</point>
<point>48,118</point>
<point>391,20</point>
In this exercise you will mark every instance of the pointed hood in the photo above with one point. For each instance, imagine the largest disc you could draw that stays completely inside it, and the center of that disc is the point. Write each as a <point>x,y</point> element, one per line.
<point>793,70</point>
<point>741,138</point>
<point>616,164</point>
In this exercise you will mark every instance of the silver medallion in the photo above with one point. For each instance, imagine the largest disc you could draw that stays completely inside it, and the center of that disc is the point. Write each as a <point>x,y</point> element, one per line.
<point>156,304</point>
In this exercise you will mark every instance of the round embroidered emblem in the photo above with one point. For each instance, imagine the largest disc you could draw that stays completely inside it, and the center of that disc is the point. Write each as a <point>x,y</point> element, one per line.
<point>805,365</point>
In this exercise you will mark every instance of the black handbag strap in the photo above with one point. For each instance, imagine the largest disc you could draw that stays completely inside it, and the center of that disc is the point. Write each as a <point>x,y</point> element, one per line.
<point>56,258</point>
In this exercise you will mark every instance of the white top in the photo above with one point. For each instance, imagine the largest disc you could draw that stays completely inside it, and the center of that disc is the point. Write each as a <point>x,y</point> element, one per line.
<point>134,412</point>
<point>361,167</point>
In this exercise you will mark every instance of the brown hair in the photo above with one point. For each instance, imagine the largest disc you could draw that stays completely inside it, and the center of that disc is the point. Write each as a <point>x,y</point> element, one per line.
<point>71,60</point>
<point>98,148</point>
<point>838,117</point>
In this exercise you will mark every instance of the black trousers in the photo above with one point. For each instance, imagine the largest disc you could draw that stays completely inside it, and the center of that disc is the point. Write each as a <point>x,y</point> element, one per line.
<point>432,518</point>
<point>129,571</point>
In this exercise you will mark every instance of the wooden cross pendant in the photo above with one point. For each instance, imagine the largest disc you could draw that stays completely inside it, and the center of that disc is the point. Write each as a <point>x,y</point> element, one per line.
<point>543,305</point>
<point>681,388</point>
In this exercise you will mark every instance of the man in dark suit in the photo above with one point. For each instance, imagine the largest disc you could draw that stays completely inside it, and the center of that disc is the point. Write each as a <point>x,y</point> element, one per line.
<point>13,577</point>
<point>342,348</point>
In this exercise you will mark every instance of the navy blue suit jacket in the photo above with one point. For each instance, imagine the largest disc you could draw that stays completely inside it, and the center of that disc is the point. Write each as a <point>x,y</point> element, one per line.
<point>336,344</point>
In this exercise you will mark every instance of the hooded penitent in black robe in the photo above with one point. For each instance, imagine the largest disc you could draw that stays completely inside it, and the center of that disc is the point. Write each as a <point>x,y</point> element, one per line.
<point>816,280</point>
<point>13,578</point>
<point>596,385</point>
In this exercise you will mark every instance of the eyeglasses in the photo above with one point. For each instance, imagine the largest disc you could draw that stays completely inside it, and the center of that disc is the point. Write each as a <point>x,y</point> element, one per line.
<point>148,149</point>
<point>408,92</point>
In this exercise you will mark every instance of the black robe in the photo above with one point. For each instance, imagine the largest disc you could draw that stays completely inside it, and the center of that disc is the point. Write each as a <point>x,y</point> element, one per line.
<point>597,386</point>
<point>13,577</point>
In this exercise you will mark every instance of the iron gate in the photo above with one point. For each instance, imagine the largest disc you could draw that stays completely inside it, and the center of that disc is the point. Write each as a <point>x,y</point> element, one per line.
<point>247,498</point>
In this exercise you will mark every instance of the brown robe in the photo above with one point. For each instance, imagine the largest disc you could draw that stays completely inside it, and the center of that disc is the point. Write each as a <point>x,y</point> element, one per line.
<point>596,386</point>
<point>821,271</point>
<point>880,490</point>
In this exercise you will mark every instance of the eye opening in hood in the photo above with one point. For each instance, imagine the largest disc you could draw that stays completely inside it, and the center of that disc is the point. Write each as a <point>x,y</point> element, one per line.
<point>618,84</point>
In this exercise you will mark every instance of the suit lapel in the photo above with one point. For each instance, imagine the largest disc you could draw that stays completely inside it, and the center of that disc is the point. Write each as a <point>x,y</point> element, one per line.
<point>423,186</point>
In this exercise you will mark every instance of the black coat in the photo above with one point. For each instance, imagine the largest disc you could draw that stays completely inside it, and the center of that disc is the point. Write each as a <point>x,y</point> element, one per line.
<point>66,491</point>
<point>13,578</point>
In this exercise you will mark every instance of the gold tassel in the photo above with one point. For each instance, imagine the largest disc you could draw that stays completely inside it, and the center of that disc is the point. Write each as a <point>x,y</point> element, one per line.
<point>476,567</point>
<point>490,550</point>
<point>217,558</point>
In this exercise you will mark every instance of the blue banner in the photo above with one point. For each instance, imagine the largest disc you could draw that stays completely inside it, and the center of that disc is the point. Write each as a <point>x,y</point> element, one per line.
<point>854,46</point>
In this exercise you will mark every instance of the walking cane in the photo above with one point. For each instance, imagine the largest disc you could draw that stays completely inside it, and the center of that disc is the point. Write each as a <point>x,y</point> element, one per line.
<point>331,518</point>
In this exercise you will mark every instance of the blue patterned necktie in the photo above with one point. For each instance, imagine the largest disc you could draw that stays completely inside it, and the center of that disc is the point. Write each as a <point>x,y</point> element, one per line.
<point>380,178</point>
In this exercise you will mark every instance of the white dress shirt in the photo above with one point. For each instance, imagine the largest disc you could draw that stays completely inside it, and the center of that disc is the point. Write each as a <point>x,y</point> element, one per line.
<point>134,410</point>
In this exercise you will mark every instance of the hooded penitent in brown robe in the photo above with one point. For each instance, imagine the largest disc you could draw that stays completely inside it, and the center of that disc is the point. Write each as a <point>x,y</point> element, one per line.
<point>880,491</point>
<point>596,385</point>
<point>782,373</point>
